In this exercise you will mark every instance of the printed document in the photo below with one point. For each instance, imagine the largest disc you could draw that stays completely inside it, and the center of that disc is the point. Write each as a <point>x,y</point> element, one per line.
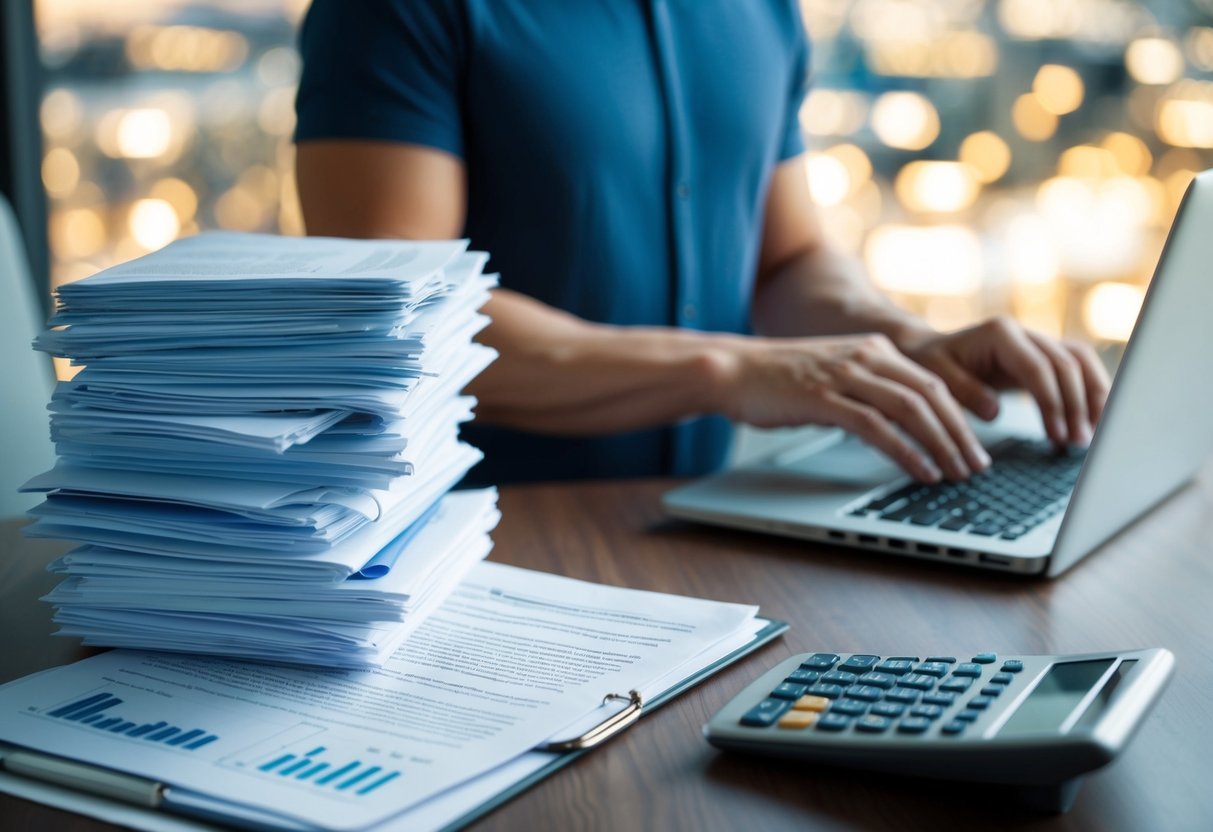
<point>511,658</point>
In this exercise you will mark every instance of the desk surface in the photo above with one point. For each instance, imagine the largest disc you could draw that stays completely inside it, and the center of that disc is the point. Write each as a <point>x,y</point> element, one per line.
<point>1148,587</point>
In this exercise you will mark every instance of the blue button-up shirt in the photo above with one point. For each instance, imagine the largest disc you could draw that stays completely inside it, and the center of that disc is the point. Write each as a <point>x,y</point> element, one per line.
<point>618,155</point>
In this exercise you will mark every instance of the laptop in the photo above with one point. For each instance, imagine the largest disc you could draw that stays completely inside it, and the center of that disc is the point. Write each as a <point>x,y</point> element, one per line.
<point>1036,510</point>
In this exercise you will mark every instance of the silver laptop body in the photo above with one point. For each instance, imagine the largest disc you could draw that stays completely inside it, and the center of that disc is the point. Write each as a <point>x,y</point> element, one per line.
<point>1155,434</point>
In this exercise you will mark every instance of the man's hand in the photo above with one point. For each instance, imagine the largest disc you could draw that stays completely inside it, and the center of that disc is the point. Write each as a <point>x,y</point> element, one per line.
<point>861,383</point>
<point>1067,380</point>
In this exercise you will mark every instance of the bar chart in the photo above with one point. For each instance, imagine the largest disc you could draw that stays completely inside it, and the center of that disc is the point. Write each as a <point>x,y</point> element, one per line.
<point>102,712</point>
<point>354,777</point>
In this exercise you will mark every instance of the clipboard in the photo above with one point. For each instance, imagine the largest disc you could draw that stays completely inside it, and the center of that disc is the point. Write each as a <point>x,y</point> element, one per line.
<point>140,804</point>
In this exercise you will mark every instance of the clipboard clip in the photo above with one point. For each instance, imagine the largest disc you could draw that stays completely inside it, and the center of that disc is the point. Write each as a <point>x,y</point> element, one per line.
<point>604,730</point>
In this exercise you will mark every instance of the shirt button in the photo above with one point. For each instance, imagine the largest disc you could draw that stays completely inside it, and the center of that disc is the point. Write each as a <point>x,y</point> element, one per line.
<point>683,190</point>
<point>688,311</point>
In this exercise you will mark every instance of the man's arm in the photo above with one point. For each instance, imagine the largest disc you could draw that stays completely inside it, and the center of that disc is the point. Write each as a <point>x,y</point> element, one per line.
<point>806,287</point>
<point>560,374</point>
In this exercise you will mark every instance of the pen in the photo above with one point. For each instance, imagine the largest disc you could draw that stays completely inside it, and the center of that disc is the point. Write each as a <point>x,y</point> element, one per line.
<point>82,777</point>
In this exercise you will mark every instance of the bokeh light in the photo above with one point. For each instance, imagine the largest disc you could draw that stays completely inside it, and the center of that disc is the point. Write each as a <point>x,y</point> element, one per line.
<point>905,120</point>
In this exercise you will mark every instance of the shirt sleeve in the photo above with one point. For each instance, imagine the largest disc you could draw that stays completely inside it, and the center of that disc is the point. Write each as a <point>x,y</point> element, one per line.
<point>383,69</point>
<point>798,86</point>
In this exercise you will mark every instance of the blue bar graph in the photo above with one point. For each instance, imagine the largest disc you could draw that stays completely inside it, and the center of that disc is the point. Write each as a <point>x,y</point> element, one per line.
<point>91,711</point>
<point>352,777</point>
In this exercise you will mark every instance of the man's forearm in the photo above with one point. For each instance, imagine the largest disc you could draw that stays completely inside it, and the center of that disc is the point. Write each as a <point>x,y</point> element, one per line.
<point>824,292</point>
<point>560,374</point>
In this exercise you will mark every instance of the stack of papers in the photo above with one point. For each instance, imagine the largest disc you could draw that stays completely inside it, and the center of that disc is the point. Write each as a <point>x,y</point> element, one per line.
<point>257,452</point>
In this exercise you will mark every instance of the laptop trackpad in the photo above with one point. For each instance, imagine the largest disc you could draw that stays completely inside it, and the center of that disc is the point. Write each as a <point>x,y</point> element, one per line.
<point>848,462</point>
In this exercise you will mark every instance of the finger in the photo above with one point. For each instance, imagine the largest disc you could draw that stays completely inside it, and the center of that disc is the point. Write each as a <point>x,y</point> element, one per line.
<point>1028,366</point>
<point>1070,383</point>
<point>910,410</point>
<point>980,398</point>
<point>939,399</point>
<point>869,425</point>
<point>1095,377</point>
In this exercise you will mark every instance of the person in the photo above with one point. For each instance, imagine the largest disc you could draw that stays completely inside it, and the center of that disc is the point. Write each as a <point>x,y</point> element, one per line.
<point>634,168</point>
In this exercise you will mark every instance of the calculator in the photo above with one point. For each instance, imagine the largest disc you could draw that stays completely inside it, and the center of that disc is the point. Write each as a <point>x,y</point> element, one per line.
<point>1035,722</point>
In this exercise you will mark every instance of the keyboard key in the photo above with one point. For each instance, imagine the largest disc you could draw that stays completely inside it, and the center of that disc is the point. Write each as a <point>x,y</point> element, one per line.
<point>765,713</point>
<point>798,719</point>
<point>889,709</point>
<point>859,663</point>
<point>913,725</point>
<point>942,699</point>
<point>1001,678</point>
<point>927,711</point>
<point>967,716</point>
<point>955,523</point>
<point>896,666</point>
<point>820,661</point>
<point>803,677</point>
<point>868,693</point>
<point>991,690</point>
<point>849,707</point>
<point>833,722</point>
<point>839,677</point>
<point>954,727</point>
<point>938,669</point>
<point>880,680</point>
<point>956,685</point>
<point>828,691</point>
<point>944,659</point>
<point>986,529</point>
<point>918,681</point>
<point>910,659</point>
<point>789,690</point>
<point>979,703</point>
<point>927,518</point>
<point>873,724</point>
<point>1012,666</point>
<point>985,658</point>
<point>811,703</point>
<point>905,696</point>
<point>968,669</point>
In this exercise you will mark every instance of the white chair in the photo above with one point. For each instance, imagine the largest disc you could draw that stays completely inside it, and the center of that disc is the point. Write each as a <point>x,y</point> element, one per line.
<point>26,377</point>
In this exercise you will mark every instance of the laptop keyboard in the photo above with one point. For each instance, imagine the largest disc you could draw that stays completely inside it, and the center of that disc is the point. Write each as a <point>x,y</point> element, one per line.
<point>1028,483</point>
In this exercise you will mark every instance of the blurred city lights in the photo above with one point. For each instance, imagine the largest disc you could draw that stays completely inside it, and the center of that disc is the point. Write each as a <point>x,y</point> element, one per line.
<point>929,260</point>
<point>987,154</point>
<point>1109,310</point>
<point>1058,88</point>
<point>143,133</point>
<point>1032,120</point>
<point>1154,60</point>
<point>153,223</point>
<point>60,171</point>
<point>936,187</point>
<point>905,120</point>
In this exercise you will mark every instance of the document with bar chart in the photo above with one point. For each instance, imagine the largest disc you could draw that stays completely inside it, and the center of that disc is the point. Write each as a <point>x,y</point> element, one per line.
<point>510,659</point>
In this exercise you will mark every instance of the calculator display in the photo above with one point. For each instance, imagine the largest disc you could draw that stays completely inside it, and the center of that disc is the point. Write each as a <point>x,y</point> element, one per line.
<point>1055,697</point>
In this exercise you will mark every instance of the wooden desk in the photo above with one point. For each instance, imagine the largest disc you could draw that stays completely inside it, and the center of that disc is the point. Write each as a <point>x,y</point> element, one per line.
<point>1152,586</point>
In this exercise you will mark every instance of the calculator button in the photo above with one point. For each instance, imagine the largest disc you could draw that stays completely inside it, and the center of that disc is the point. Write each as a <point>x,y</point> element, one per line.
<point>906,696</point>
<point>969,669</point>
<point>991,690</point>
<point>880,680</point>
<point>873,724</point>
<point>765,713</point>
<point>790,690</point>
<point>986,658</point>
<point>839,677</point>
<point>966,716</point>
<point>820,661</point>
<point>859,663</point>
<point>910,659</point>
<point>798,719</point>
<point>889,709</point>
<point>941,699</point>
<point>979,703</point>
<point>928,711</point>
<point>913,725</point>
<point>803,677</point>
<point>867,693</point>
<point>828,691</point>
<point>811,703</point>
<point>944,659</point>
<point>1001,678</point>
<point>956,685</point>
<point>849,707</point>
<point>956,726</point>
<point>896,666</point>
<point>933,669</point>
<point>1012,666</point>
<point>917,680</point>
<point>833,722</point>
